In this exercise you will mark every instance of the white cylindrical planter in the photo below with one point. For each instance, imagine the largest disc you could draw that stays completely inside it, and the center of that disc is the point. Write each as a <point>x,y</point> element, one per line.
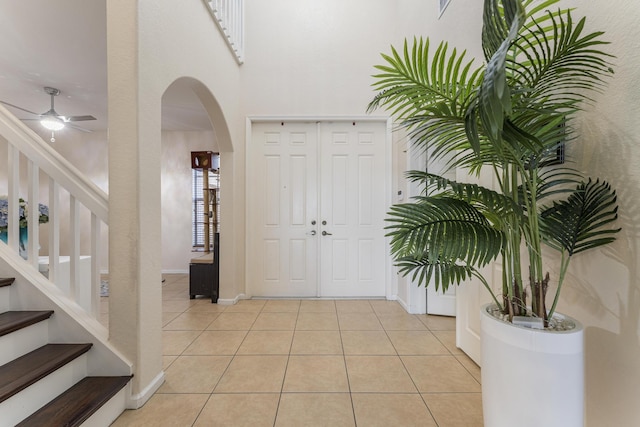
<point>531,378</point>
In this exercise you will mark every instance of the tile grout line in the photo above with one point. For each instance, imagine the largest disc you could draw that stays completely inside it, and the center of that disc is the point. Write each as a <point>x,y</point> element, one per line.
<point>278,410</point>
<point>286,367</point>
<point>225,369</point>
<point>344,359</point>
<point>407,370</point>
<point>182,353</point>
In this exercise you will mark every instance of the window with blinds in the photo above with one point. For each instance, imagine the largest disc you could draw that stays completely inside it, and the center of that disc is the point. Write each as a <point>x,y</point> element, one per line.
<point>198,222</point>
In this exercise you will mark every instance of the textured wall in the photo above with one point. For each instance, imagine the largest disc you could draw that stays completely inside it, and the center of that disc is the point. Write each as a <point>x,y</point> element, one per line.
<point>603,290</point>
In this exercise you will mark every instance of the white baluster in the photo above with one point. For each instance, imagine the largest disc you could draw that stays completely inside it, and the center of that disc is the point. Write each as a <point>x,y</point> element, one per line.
<point>13,198</point>
<point>54,230</point>
<point>95,266</point>
<point>74,250</point>
<point>33,219</point>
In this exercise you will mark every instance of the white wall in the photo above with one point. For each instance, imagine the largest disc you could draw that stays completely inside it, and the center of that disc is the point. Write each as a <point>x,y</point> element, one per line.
<point>150,45</point>
<point>312,58</point>
<point>316,58</point>
<point>603,288</point>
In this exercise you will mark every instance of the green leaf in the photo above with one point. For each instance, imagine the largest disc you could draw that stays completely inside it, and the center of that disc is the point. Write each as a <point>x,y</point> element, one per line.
<point>442,231</point>
<point>581,222</point>
<point>494,98</point>
<point>429,94</point>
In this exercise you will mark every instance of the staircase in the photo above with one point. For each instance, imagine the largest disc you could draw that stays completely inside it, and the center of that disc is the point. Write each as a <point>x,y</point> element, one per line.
<point>44,383</point>
<point>58,366</point>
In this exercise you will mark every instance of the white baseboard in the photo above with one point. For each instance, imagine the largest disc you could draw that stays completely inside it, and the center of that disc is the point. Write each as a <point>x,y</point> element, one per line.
<point>231,301</point>
<point>411,309</point>
<point>106,271</point>
<point>404,305</point>
<point>137,400</point>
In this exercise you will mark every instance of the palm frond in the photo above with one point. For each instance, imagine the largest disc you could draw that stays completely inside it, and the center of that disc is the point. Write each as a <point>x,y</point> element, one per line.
<point>580,222</point>
<point>558,64</point>
<point>494,98</point>
<point>428,93</point>
<point>510,115</point>
<point>557,181</point>
<point>494,206</point>
<point>416,81</point>
<point>457,231</point>
<point>441,273</point>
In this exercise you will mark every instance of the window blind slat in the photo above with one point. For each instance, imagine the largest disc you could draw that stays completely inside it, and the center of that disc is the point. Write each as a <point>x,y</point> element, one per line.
<point>198,219</point>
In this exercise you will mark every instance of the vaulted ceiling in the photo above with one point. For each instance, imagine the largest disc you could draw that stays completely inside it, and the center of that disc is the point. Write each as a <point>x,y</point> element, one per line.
<point>62,44</point>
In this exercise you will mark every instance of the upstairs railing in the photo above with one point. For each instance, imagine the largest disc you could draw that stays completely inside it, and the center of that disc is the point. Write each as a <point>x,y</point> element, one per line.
<point>51,180</point>
<point>229,16</point>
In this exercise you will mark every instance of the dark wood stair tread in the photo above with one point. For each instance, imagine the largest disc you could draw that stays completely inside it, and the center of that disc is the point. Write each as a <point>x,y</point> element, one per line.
<point>77,404</point>
<point>6,281</point>
<point>12,321</point>
<point>20,373</point>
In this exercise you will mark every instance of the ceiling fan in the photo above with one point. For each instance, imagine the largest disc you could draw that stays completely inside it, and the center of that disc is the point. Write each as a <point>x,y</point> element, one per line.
<point>51,120</point>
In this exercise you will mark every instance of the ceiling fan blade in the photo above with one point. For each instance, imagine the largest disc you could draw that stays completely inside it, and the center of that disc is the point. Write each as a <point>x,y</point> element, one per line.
<point>76,127</point>
<point>79,118</point>
<point>19,108</point>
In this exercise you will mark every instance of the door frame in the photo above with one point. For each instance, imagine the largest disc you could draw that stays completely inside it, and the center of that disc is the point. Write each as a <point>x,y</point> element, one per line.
<point>391,283</point>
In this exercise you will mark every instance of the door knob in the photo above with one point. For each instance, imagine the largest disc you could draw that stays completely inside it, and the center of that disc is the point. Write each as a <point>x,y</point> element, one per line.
<point>312,233</point>
<point>324,233</point>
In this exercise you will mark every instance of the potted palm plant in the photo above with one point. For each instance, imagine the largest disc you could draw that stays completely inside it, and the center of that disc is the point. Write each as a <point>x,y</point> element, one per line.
<point>511,115</point>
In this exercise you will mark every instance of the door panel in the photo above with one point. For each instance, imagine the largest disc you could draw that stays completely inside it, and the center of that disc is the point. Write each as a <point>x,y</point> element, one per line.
<point>332,173</point>
<point>352,200</point>
<point>471,295</point>
<point>439,303</point>
<point>281,203</point>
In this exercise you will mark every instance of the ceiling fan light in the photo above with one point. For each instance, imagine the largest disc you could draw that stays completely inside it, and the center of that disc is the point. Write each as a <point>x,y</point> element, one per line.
<point>52,123</point>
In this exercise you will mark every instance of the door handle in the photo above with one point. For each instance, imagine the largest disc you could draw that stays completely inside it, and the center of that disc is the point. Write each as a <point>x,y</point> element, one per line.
<point>325,233</point>
<point>312,233</point>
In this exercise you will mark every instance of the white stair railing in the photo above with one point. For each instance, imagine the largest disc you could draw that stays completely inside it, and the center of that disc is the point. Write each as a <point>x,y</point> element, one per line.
<point>229,16</point>
<point>64,181</point>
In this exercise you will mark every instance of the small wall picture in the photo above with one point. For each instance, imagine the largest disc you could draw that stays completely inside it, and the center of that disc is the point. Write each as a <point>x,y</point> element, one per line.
<point>443,6</point>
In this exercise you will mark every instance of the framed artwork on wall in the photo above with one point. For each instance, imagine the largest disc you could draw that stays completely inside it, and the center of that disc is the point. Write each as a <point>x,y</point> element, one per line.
<point>443,6</point>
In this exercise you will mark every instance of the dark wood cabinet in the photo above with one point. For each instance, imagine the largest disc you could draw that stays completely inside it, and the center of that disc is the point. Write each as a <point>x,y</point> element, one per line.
<point>204,273</point>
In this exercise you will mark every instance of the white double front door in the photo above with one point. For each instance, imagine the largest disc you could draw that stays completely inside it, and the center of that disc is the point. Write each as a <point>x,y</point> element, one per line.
<point>317,195</point>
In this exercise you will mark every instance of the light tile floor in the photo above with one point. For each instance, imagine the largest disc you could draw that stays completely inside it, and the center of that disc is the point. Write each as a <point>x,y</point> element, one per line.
<point>308,363</point>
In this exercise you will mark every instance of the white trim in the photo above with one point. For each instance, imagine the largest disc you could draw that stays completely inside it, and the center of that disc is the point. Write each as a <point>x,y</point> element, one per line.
<point>169,271</point>
<point>268,119</point>
<point>247,142</point>
<point>391,279</point>
<point>391,287</point>
<point>231,301</point>
<point>176,271</point>
<point>405,305</point>
<point>136,401</point>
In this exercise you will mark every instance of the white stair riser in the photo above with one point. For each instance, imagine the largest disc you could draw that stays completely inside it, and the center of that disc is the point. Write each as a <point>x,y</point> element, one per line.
<point>23,404</point>
<point>108,412</point>
<point>5,298</point>
<point>23,341</point>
